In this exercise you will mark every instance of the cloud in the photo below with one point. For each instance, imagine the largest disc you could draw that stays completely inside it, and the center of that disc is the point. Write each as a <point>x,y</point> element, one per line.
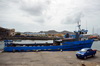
<point>23,11</point>
<point>34,7</point>
<point>36,15</point>
<point>72,18</point>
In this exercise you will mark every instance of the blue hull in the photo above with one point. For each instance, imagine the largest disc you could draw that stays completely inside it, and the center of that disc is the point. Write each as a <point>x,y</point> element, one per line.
<point>66,46</point>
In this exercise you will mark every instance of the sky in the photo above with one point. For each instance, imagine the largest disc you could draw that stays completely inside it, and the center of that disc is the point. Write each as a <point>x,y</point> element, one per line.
<point>44,15</point>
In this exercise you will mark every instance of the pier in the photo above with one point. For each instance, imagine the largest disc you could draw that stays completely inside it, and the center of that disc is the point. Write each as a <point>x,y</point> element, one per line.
<point>65,58</point>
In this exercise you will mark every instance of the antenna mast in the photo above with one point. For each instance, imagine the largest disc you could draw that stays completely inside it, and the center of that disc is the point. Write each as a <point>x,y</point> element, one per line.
<point>79,26</point>
<point>86,25</point>
<point>93,30</point>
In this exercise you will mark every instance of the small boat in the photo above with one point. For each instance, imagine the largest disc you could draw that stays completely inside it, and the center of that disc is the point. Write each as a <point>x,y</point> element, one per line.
<point>68,43</point>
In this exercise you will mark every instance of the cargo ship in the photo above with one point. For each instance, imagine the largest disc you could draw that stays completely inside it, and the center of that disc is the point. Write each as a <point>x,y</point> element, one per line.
<point>68,43</point>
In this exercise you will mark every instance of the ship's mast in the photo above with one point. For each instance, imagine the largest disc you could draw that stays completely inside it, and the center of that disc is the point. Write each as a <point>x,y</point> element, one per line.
<point>79,26</point>
<point>93,31</point>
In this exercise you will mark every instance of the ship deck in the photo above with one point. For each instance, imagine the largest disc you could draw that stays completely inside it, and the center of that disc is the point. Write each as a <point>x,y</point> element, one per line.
<point>35,44</point>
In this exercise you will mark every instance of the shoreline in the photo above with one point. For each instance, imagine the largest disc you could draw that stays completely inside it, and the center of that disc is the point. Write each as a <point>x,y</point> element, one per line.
<point>29,38</point>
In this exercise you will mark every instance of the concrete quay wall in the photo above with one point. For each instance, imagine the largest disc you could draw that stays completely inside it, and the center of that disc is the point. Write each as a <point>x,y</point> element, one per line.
<point>45,58</point>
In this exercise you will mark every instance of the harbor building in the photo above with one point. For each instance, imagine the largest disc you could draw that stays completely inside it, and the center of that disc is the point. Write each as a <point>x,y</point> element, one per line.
<point>4,32</point>
<point>53,33</point>
<point>33,34</point>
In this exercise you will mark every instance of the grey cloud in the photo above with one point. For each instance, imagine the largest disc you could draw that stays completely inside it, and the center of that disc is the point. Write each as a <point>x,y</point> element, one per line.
<point>39,20</point>
<point>35,9</point>
<point>87,8</point>
<point>72,18</point>
<point>24,15</point>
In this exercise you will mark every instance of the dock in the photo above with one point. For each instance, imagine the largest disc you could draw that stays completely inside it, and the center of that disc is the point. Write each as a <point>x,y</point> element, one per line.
<point>46,58</point>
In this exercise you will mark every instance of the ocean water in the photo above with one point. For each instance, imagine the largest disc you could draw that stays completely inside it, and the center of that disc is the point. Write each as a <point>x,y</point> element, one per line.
<point>96,44</point>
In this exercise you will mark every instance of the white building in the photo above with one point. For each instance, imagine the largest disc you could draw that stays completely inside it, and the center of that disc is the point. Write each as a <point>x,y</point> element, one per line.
<point>33,34</point>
